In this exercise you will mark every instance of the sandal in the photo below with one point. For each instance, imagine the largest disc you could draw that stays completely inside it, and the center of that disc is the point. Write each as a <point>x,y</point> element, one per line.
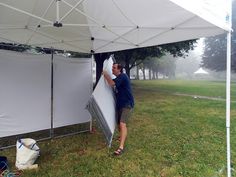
<point>119,151</point>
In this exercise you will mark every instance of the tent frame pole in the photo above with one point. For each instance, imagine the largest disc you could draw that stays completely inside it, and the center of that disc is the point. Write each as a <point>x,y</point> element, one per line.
<point>58,10</point>
<point>52,98</point>
<point>228,78</point>
<point>91,121</point>
<point>228,82</point>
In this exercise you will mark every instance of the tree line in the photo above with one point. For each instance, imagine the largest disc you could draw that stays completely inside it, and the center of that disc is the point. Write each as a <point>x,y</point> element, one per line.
<point>147,58</point>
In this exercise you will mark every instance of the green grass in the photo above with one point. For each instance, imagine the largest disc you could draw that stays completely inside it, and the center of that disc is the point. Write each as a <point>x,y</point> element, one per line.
<point>169,136</point>
<point>198,87</point>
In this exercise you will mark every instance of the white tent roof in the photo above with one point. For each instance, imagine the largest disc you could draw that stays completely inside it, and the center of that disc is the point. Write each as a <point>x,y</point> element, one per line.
<point>109,25</point>
<point>201,71</point>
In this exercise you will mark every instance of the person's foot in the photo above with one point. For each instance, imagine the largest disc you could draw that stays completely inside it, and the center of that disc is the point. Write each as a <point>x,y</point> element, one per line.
<point>119,151</point>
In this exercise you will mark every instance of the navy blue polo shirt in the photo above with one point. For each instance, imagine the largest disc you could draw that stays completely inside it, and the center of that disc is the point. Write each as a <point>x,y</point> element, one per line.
<point>123,91</point>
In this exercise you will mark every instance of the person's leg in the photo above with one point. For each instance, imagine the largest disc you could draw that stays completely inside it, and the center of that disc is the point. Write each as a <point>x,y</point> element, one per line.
<point>119,112</point>
<point>123,134</point>
<point>125,113</point>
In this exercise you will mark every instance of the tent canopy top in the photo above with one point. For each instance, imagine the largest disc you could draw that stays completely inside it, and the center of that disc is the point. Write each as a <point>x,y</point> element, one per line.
<point>109,25</point>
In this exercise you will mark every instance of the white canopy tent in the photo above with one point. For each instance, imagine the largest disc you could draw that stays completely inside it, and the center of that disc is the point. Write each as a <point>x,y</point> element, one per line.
<point>201,71</point>
<point>111,25</point>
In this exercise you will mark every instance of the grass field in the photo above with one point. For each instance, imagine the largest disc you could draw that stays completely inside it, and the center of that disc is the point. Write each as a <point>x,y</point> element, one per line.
<point>169,136</point>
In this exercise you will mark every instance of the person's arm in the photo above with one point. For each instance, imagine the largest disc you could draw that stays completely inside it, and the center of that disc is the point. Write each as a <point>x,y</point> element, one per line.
<point>108,79</point>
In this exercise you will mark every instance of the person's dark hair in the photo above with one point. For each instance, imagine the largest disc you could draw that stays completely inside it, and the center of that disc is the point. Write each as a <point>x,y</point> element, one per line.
<point>119,66</point>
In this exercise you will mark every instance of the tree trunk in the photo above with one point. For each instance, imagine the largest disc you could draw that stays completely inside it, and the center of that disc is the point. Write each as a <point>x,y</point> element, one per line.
<point>156,75</point>
<point>149,74</point>
<point>99,59</point>
<point>137,72</point>
<point>144,76</point>
<point>153,74</point>
<point>127,69</point>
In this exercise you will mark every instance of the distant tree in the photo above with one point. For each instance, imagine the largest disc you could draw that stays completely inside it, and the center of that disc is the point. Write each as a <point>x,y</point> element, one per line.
<point>134,57</point>
<point>153,66</point>
<point>179,49</point>
<point>167,67</point>
<point>164,65</point>
<point>185,67</point>
<point>214,56</point>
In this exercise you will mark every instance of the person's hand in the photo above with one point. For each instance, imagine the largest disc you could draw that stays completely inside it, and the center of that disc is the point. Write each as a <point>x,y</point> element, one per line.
<point>108,78</point>
<point>104,72</point>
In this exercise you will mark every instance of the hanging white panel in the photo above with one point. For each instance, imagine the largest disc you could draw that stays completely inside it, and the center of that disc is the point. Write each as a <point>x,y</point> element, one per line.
<point>24,93</point>
<point>102,104</point>
<point>72,89</point>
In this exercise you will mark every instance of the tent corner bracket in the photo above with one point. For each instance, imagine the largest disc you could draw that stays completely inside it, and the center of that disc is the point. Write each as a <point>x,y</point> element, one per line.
<point>57,24</point>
